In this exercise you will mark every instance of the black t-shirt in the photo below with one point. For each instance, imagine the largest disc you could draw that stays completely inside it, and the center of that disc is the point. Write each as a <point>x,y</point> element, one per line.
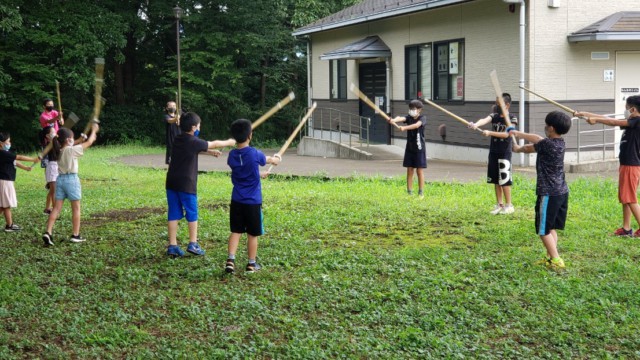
<point>7,165</point>
<point>550,167</point>
<point>415,137</point>
<point>183,169</point>
<point>499,145</point>
<point>173,129</point>
<point>630,143</point>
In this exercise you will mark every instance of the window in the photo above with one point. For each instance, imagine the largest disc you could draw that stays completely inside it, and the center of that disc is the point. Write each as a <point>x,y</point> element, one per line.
<point>338,79</point>
<point>418,71</point>
<point>449,71</point>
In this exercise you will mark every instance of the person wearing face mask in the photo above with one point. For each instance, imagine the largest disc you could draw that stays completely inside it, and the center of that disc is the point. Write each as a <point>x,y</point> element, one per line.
<point>49,116</point>
<point>629,172</point>
<point>499,163</point>
<point>172,123</point>
<point>68,182</point>
<point>415,153</point>
<point>8,166</point>
<point>50,163</point>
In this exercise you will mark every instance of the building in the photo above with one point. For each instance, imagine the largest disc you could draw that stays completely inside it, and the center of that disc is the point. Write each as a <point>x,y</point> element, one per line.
<point>580,53</point>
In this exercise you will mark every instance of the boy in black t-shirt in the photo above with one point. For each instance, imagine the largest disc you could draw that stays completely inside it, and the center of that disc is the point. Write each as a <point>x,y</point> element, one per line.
<point>415,153</point>
<point>629,173</point>
<point>182,181</point>
<point>499,164</point>
<point>551,188</point>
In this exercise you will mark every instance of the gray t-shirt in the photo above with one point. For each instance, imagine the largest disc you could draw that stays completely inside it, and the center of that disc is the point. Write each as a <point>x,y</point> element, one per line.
<point>550,167</point>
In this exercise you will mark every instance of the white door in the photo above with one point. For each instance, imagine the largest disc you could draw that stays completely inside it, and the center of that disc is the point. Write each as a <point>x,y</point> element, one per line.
<point>627,80</point>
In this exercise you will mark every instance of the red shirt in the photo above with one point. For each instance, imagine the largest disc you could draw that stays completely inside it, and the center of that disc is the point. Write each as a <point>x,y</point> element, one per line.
<point>46,116</point>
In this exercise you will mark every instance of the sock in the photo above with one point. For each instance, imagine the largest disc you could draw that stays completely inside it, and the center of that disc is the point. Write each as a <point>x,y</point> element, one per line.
<point>231,257</point>
<point>252,261</point>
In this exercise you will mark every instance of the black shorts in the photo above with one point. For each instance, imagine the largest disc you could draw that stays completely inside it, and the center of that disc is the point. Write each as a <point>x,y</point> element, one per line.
<point>246,218</point>
<point>551,213</point>
<point>416,160</point>
<point>499,169</point>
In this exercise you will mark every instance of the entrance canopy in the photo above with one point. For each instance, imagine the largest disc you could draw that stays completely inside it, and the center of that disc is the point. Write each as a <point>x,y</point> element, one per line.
<point>369,47</point>
<point>621,26</point>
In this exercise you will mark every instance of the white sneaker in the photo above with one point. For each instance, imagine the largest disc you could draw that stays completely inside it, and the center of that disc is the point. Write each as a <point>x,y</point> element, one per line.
<point>496,210</point>
<point>508,209</point>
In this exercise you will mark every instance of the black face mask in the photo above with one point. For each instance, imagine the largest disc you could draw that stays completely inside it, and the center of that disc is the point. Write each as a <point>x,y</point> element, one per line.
<point>49,108</point>
<point>171,110</point>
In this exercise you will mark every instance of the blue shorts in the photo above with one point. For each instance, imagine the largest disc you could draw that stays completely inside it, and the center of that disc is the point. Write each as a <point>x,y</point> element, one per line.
<point>182,204</point>
<point>68,187</point>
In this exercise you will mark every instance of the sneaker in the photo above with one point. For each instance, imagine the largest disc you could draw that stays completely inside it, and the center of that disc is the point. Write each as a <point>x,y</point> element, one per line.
<point>174,251</point>
<point>544,261</point>
<point>47,211</point>
<point>77,239</point>
<point>253,267</point>
<point>509,209</point>
<point>622,232</point>
<point>556,263</point>
<point>48,239</point>
<point>496,210</point>
<point>230,266</point>
<point>195,248</point>
<point>637,233</point>
<point>12,228</point>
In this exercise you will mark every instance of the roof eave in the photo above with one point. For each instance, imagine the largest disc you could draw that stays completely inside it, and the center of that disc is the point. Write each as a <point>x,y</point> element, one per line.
<point>356,55</point>
<point>606,36</point>
<point>381,15</point>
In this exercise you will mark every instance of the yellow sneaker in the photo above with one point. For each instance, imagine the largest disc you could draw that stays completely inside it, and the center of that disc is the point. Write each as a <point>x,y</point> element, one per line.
<point>557,263</point>
<point>544,261</point>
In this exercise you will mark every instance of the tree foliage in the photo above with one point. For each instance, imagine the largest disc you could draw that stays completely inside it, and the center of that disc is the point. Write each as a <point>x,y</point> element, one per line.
<point>238,58</point>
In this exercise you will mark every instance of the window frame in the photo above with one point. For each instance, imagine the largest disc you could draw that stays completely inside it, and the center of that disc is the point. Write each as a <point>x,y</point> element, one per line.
<point>461,64</point>
<point>420,88</point>
<point>341,79</point>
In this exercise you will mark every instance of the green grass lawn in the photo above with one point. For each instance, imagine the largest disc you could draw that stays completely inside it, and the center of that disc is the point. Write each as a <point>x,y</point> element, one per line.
<point>353,268</point>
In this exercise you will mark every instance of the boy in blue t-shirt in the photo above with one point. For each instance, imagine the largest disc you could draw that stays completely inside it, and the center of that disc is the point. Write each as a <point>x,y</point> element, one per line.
<point>182,182</point>
<point>245,212</point>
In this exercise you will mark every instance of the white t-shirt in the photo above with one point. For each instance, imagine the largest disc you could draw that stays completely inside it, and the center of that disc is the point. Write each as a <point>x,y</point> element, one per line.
<point>68,161</point>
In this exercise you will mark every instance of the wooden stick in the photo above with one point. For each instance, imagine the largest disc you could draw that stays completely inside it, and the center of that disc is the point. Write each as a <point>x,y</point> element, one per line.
<point>282,103</point>
<point>97,97</point>
<point>496,87</point>
<point>294,133</point>
<point>448,112</point>
<point>563,107</point>
<point>354,89</point>
<point>59,100</point>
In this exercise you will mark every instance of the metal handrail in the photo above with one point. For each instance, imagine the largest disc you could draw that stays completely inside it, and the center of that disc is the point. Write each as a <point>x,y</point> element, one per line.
<point>340,126</point>
<point>603,130</point>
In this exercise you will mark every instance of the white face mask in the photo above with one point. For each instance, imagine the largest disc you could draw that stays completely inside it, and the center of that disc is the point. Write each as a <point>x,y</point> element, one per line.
<point>627,113</point>
<point>413,113</point>
<point>70,142</point>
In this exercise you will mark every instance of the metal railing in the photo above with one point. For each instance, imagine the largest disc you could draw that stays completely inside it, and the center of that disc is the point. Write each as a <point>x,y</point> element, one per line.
<point>604,130</point>
<point>339,126</point>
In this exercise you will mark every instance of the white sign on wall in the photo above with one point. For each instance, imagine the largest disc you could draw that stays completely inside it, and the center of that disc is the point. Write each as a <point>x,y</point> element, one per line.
<point>608,75</point>
<point>453,58</point>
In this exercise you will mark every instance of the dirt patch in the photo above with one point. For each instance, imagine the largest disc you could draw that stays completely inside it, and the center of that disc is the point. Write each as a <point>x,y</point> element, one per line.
<point>121,215</point>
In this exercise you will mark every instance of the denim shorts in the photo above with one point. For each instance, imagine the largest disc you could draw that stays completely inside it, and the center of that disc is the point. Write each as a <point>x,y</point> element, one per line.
<point>182,204</point>
<point>68,187</point>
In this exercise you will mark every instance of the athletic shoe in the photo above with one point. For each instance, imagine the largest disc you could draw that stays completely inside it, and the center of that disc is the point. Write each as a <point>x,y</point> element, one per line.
<point>637,233</point>
<point>253,267</point>
<point>230,266</point>
<point>195,249</point>
<point>48,239</point>
<point>509,209</point>
<point>174,251</point>
<point>556,263</point>
<point>496,210</point>
<point>77,239</point>
<point>544,261</point>
<point>623,232</point>
<point>12,228</point>
<point>47,211</point>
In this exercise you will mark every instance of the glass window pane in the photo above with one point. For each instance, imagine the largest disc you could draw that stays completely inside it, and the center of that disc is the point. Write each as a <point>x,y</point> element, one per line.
<point>456,70</point>
<point>425,71</point>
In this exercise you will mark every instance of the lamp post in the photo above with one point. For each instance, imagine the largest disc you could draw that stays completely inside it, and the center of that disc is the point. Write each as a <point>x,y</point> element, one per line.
<point>177,11</point>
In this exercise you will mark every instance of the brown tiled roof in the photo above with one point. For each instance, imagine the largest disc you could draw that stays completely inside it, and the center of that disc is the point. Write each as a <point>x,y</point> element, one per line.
<point>369,10</point>
<point>624,25</point>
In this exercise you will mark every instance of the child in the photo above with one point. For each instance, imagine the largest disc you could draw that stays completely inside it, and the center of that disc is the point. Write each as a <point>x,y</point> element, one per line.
<point>551,188</point>
<point>8,166</point>
<point>68,183</point>
<point>629,172</point>
<point>50,162</point>
<point>49,116</point>
<point>182,182</point>
<point>415,153</point>
<point>499,164</point>
<point>245,212</point>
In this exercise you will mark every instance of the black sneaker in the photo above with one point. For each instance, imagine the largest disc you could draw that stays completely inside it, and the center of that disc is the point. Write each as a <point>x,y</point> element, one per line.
<point>230,267</point>
<point>12,228</point>
<point>77,239</point>
<point>48,239</point>
<point>253,267</point>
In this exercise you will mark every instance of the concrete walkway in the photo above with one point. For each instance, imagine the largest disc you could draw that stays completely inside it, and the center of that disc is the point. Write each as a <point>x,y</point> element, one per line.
<point>383,165</point>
